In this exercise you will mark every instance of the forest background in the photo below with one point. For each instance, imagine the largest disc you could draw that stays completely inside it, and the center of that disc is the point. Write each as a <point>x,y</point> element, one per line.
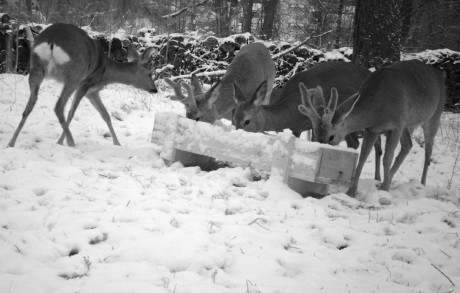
<point>379,32</point>
<point>426,24</point>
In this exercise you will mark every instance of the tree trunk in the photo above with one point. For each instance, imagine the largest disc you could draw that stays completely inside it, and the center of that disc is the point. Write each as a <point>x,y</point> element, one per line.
<point>222,18</point>
<point>377,32</point>
<point>29,8</point>
<point>339,24</point>
<point>247,16</point>
<point>269,18</point>
<point>192,11</point>
<point>406,13</point>
<point>9,63</point>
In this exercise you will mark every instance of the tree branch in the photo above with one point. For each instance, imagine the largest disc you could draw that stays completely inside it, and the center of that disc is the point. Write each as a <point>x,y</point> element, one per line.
<point>183,10</point>
<point>276,56</point>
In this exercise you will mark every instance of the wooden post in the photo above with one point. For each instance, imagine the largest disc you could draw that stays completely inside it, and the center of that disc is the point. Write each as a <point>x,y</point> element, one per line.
<point>282,158</point>
<point>9,52</point>
<point>29,37</point>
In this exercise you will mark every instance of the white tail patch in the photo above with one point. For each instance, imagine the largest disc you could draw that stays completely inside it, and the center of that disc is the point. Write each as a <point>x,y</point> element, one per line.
<point>52,54</point>
<point>59,55</point>
<point>46,52</point>
<point>43,51</point>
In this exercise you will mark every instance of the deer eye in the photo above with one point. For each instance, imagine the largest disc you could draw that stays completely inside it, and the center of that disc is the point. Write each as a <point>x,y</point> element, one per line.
<point>246,122</point>
<point>331,138</point>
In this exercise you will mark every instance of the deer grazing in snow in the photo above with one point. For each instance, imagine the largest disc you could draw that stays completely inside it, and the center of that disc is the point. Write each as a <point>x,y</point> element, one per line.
<point>67,54</point>
<point>253,116</point>
<point>251,66</point>
<point>394,100</point>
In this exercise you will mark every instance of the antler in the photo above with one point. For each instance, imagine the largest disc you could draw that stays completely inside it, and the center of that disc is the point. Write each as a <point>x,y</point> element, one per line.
<point>307,107</point>
<point>311,110</point>
<point>331,106</point>
<point>189,100</point>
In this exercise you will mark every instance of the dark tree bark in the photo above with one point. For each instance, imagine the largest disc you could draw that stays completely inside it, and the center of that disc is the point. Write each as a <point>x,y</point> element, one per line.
<point>339,24</point>
<point>222,18</point>
<point>9,62</point>
<point>29,7</point>
<point>269,18</point>
<point>377,32</point>
<point>247,16</point>
<point>406,13</point>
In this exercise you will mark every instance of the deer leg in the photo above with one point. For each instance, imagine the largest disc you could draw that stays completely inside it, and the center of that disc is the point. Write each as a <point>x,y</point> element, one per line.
<point>35,79</point>
<point>97,103</point>
<point>368,141</point>
<point>76,101</point>
<point>430,129</point>
<point>406,145</point>
<point>390,146</point>
<point>378,157</point>
<point>67,90</point>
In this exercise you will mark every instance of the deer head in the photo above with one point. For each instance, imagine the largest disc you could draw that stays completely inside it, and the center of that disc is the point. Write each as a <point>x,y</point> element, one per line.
<point>199,105</point>
<point>327,121</point>
<point>244,117</point>
<point>141,76</point>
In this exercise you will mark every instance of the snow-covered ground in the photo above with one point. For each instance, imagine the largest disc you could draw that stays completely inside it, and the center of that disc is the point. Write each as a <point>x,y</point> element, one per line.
<point>102,218</point>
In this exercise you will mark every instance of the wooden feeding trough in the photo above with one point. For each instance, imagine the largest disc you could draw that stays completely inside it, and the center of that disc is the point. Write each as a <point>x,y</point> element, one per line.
<point>307,167</point>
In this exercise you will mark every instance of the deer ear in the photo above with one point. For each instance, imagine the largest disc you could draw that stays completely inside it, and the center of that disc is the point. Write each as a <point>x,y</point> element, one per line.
<point>145,57</point>
<point>345,108</point>
<point>132,54</point>
<point>257,97</point>
<point>212,95</point>
<point>238,94</point>
<point>260,94</point>
<point>332,105</point>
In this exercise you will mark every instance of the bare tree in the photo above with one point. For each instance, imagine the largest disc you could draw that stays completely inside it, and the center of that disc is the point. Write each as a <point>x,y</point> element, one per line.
<point>377,32</point>
<point>269,9</point>
<point>247,15</point>
<point>339,23</point>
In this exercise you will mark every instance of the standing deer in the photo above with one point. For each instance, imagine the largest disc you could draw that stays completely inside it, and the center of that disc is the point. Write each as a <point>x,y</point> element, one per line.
<point>67,54</point>
<point>250,67</point>
<point>394,100</point>
<point>284,114</point>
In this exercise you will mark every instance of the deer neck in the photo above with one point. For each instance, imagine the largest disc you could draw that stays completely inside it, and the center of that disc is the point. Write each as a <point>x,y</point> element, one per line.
<point>274,118</point>
<point>226,101</point>
<point>117,72</point>
<point>359,119</point>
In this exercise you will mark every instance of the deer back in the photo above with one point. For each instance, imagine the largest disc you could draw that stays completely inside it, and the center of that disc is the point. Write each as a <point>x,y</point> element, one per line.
<point>66,53</point>
<point>284,113</point>
<point>405,94</point>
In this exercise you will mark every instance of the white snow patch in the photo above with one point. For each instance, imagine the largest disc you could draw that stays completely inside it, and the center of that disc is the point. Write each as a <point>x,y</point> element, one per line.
<point>102,218</point>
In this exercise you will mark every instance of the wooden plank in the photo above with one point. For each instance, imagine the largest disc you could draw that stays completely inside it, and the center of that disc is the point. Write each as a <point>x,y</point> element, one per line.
<point>307,188</point>
<point>304,165</point>
<point>304,160</point>
<point>282,158</point>
<point>336,167</point>
<point>237,146</point>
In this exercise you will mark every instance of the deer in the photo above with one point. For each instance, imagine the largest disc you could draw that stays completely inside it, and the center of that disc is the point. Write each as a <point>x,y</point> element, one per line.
<point>251,65</point>
<point>393,100</point>
<point>253,116</point>
<point>67,54</point>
